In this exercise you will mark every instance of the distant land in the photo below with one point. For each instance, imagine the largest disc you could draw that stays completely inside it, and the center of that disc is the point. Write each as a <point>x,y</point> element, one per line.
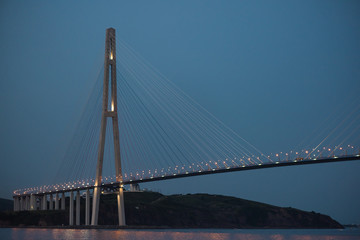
<point>152,209</point>
<point>6,204</point>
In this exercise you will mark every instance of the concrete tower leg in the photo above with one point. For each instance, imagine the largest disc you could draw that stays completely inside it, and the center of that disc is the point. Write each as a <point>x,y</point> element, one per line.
<point>95,206</point>
<point>71,209</point>
<point>87,208</point>
<point>57,201</point>
<point>121,209</point>
<point>78,208</point>
<point>110,33</point>
<point>51,202</point>
<point>63,201</point>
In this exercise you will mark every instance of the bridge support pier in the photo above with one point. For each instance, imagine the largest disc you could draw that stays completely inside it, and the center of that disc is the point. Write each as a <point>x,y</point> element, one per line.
<point>19,202</point>
<point>51,202</point>
<point>71,209</point>
<point>78,208</point>
<point>44,202</point>
<point>57,201</point>
<point>22,203</point>
<point>32,203</point>
<point>16,204</point>
<point>27,203</point>
<point>134,187</point>
<point>87,208</point>
<point>63,201</point>
<point>38,203</point>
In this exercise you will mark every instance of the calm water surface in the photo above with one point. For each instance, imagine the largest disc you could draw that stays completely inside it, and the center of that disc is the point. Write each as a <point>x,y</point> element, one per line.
<point>171,234</point>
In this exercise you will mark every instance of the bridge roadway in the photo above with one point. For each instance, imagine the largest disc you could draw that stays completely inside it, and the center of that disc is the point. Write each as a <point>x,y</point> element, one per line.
<point>206,172</point>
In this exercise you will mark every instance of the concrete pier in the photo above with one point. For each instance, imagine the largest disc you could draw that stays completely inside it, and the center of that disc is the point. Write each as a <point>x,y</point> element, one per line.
<point>63,201</point>
<point>87,208</point>
<point>78,208</point>
<point>27,203</point>
<point>44,202</point>
<point>51,202</point>
<point>134,187</point>
<point>16,204</point>
<point>32,203</point>
<point>57,201</point>
<point>71,209</point>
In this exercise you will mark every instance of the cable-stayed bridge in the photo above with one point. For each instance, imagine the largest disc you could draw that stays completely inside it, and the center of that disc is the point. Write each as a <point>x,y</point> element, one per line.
<point>153,131</point>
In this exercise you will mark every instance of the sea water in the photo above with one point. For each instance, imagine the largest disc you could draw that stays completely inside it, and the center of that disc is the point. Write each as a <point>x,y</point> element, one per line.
<point>178,234</point>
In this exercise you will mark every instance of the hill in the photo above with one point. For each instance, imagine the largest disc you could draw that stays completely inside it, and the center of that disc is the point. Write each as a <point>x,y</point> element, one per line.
<point>182,211</point>
<point>216,211</point>
<point>6,204</point>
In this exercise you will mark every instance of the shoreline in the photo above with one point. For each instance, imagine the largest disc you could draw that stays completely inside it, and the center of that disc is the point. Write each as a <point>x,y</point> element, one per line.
<point>160,227</point>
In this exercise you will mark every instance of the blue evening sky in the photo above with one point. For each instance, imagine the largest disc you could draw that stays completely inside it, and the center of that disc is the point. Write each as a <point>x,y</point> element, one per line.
<point>273,71</point>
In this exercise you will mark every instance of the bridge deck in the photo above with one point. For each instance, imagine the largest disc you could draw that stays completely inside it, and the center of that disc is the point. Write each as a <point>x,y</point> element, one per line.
<point>210,171</point>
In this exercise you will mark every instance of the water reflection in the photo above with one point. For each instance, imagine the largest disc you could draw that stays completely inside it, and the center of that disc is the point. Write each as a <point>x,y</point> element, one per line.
<point>193,234</point>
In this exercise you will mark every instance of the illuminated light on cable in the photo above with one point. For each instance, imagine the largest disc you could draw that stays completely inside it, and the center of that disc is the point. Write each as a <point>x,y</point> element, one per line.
<point>277,163</point>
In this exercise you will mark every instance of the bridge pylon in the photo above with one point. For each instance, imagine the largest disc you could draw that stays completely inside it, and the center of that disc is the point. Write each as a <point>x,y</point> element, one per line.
<point>109,110</point>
